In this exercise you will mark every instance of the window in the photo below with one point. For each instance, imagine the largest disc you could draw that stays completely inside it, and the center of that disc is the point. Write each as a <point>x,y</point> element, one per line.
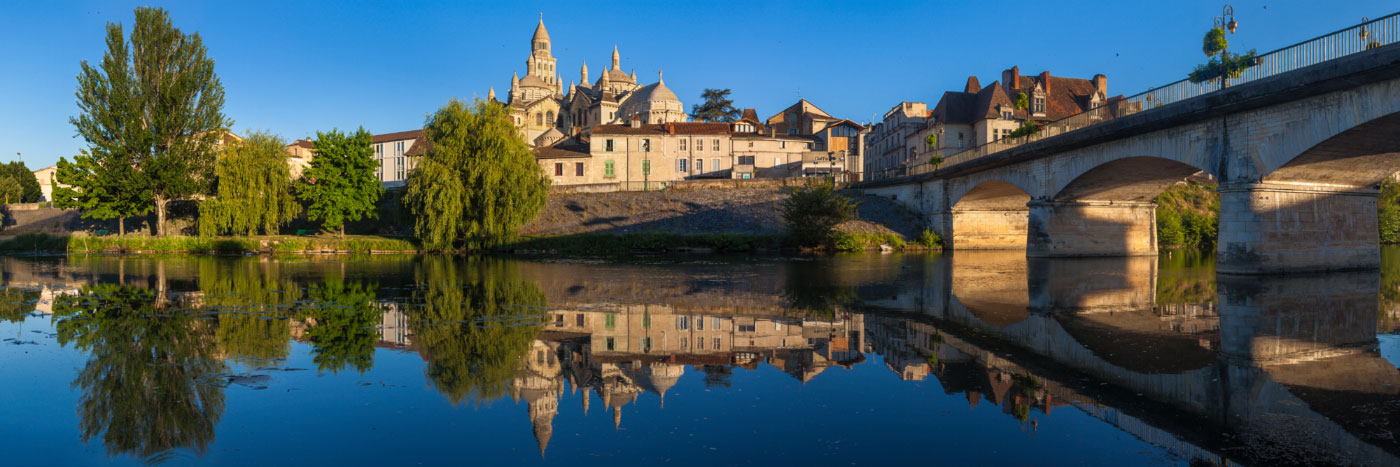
<point>558,169</point>
<point>608,145</point>
<point>608,169</point>
<point>379,151</point>
<point>646,145</point>
<point>777,161</point>
<point>746,328</point>
<point>680,165</point>
<point>399,168</point>
<point>539,118</point>
<point>700,344</point>
<point>1006,115</point>
<point>682,323</point>
<point>610,320</point>
<point>683,343</point>
<point>1039,105</point>
<point>714,163</point>
<point>716,144</point>
<point>549,117</point>
<point>398,148</point>
<point>646,167</point>
<point>612,344</point>
<point>699,145</point>
<point>559,320</point>
<point>782,145</point>
<point>646,344</point>
<point>700,324</point>
<point>682,144</point>
<point>578,169</point>
<point>717,323</point>
<point>745,160</point>
<point>716,343</point>
<point>792,131</point>
<point>578,319</point>
<point>699,166</point>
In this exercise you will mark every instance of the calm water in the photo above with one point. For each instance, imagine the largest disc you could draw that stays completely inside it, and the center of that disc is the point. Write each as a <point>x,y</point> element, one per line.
<point>967,358</point>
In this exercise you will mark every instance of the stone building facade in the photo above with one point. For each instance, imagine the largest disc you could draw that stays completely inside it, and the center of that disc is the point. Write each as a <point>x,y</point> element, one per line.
<point>886,140</point>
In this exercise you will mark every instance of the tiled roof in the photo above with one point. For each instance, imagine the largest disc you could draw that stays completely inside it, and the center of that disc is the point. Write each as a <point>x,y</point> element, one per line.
<point>561,151</point>
<point>420,147</point>
<point>682,128</point>
<point>987,101</point>
<point>397,136</point>
<point>1066,96</point>
<point>955,107</point>
<point>303,143</point>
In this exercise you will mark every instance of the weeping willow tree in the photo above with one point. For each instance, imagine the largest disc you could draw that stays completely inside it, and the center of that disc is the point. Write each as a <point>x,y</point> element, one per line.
<point>254,302</point>
<point>474,320</point>
<point>478,182</point>
<point>150,384</point>
<point>254,189</point>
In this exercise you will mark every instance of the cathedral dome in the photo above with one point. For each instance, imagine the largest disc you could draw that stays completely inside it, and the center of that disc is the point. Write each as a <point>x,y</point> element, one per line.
<point>657,92</point>
<point>532,81</point>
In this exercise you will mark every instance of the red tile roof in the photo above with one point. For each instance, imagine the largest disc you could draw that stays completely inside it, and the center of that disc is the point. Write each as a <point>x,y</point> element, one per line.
<point>679,128</point>
<point>397,136</point>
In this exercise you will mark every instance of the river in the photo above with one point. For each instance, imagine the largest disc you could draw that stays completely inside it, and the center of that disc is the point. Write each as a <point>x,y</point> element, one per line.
<point>960,358</point>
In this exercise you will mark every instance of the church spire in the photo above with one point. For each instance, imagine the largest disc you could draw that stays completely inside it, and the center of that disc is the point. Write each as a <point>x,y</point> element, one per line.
<point>514,80</point>
<point>634,75</point>
<point>617,60</point>
<point>491,95</point>
<point>659,80</point>
<point>541,37</point>
<point>583,74</point>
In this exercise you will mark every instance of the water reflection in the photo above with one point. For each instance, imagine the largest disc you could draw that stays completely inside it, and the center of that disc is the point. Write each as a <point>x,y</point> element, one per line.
<point>1160,348</point>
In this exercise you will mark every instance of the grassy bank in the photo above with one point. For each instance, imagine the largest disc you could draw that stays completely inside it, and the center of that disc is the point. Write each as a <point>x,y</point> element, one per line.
<point>262,244</point>
<point>717,242</point>
<point>1188,216</point>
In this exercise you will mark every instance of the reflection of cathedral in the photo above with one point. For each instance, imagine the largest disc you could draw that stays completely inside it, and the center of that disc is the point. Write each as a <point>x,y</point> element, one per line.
<point>545,113</point>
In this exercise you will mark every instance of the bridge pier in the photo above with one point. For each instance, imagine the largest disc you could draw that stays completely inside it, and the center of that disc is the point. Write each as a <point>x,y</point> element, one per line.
<point>1091,228</point>
<point>1296,227</point>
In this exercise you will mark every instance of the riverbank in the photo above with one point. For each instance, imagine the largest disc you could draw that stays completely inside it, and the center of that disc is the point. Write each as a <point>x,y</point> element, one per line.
<point>137,244</point>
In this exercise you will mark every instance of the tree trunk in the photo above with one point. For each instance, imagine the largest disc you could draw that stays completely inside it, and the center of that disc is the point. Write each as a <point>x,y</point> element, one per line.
<point>342,231</point>
<point>121,226</point>
<point>160,215</point>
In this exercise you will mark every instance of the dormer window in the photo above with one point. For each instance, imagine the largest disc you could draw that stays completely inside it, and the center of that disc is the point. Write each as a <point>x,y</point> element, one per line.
<point>1038,102</point>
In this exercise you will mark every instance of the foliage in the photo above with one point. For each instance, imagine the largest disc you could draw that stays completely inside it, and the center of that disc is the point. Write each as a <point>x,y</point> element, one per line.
<point>816,292</point>
<point>1188,216</point>
<point>1027,128</point>
<point>155,104</point>
<point>1388,211</point>
<point>475,318</point>
<point>716,108</point>
<point>29,184</point>
<point>340,184</point>
<point>929,239</point>
<point>643,241</point>
<point>854,242</point>
<point>102,183</point>
<point>34,242</point>
<point>932,141</point>
<point>254,189</point>
<point>1022,102</point>
<point>151,381</point>
<point>277,244</point>
<point>17,303</point>
<point>10,190</point>
<point>811,212</point>
<point>1214,42</point>
<point>478,182</point>
<point>346,317</point>
<point>252,302</point>
<point>1227,64</point>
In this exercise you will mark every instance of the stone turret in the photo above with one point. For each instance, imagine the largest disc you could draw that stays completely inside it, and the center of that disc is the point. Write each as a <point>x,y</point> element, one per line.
<point>583,74</point>
<point>491,94</point>
<point>617,59</point>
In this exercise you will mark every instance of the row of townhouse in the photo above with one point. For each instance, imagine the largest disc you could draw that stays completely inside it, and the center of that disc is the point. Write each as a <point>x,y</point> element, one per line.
<point>976,116</point>
<point>801,141</point>
<point>395,155</point>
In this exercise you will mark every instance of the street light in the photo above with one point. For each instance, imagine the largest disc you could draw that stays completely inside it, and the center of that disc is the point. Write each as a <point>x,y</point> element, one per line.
<point>1226,21</point>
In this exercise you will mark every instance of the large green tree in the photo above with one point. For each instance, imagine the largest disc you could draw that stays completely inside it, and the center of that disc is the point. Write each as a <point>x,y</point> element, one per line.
<point>813,212</point>
<point>29,184</point>
<point>11,191</point>
<point>478,183</point>
<point>340,184</point>
<point>254,188</point>
<point>102,185</point>
<point>157,102</point>
<point>716,108</point>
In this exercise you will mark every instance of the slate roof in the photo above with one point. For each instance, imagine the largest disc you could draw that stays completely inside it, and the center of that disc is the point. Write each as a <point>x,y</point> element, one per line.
<point>397,136</point>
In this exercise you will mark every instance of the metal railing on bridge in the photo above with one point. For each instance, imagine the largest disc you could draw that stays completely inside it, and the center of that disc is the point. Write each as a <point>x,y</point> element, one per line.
<point>1364,36</point>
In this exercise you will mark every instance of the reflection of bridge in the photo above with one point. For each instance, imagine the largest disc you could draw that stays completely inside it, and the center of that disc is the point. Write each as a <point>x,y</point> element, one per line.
<point>1298,156</point>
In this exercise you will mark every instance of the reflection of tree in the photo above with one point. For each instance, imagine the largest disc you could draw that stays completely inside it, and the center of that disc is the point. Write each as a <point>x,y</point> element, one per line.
<point>253,303</point>
<point>16,303</point>
<point>476,318</point>
<point>814,291</point>
<point>345,317</point>
<point>145,385</point>
<point>1390,287</point>
<point>1186,277</point>
<point>718,375</point>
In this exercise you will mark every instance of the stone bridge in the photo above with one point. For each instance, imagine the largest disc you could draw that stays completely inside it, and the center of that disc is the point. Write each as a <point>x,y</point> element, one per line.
<point>1298,157</point>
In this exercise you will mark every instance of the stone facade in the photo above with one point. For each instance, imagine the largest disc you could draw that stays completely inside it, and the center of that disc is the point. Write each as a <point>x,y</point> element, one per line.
<point>886,140</point>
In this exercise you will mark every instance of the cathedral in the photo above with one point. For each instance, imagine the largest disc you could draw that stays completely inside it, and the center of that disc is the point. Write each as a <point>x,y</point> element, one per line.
<point>546,112</point>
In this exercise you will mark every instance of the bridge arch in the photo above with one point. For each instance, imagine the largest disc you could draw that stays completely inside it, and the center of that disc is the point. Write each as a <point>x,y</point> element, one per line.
<point>990,215</point>
<point>1361,156</point>
<point>1136,179</point>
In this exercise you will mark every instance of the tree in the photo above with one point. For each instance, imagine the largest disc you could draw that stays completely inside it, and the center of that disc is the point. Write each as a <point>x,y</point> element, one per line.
<point>716,108</point>
<point>10,189</point>
<point>1388,211</point>
<point>811,212</point>
<point>254,188</point>
<point>1022,102</point>
<point>1223,64</point>
<point>935,159</point>
<point>101,184</point>
<point>29,184</point>
<point>340,185</point>
<point>477,183</point>
<point>154,103</point>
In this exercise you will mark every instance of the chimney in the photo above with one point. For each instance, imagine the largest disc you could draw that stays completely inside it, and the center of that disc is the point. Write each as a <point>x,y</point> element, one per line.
<point>1011,78</point>
<point>636,121</point>
<point>670,128</point>
<point>1101,84</point>
<point>972,86</point>
<point>1045,81</point>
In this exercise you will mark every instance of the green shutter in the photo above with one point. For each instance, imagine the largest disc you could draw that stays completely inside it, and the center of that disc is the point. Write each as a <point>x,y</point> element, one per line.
<point>646,166</point>
<point>646,320</point>
<point>608,169</point>
<point>612,318</point>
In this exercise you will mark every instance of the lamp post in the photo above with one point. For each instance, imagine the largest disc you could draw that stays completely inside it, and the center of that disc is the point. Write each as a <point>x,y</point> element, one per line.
<point>1226,21</point>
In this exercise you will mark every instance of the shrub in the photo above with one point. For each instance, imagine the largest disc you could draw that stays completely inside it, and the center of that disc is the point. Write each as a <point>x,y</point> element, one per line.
<point>1388,211</point>
<point>930,240</point>
<point>811,212</point>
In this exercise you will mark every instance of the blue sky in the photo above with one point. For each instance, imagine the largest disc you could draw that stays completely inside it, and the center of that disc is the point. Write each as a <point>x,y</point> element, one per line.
<point>294,67</point>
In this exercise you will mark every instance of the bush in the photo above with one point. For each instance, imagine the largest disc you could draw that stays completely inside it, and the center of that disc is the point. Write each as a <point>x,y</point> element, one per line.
<point>930,240</point>
<point>1188,216</point>
<point>847,241</point>
<point>811,212</point>
<point>1388,211</point>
